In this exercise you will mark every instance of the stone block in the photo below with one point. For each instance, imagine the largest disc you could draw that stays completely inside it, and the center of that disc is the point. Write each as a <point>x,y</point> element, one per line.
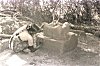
<point>72,42</point>
<point>47,30</point>
<point>58,32</point>
<point>53,45</point>
<point>59,46</point>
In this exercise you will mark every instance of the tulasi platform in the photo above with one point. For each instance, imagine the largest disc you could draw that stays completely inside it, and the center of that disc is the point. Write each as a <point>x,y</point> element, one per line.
<point>58,40</point>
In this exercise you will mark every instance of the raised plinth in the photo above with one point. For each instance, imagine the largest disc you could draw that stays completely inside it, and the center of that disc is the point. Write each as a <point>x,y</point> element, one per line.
<point>59,46</point>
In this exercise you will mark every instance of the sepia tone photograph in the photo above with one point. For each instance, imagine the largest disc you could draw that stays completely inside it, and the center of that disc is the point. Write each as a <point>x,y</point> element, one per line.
<point>49,32</point>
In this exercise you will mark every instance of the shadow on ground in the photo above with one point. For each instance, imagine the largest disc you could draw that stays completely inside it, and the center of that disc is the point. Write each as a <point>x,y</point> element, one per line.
<point>77,57</point>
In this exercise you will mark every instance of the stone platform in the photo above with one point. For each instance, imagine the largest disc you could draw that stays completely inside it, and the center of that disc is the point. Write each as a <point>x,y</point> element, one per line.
<point>59,46</point>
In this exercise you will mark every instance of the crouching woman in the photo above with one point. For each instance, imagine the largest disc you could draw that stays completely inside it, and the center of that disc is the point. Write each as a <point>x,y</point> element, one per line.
<point>23,38</point>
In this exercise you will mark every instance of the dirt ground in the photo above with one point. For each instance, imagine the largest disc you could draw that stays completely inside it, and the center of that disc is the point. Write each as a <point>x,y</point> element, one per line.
<point>87,53</point>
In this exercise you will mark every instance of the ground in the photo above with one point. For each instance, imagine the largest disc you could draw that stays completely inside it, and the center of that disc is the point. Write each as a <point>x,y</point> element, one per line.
<point>87,53</point>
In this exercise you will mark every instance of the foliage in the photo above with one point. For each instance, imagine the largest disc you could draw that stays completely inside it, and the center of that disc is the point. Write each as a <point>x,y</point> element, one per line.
<point>76,12</point>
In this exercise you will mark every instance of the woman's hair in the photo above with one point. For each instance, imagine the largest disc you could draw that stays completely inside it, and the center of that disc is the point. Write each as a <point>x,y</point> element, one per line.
<point>33,27</point>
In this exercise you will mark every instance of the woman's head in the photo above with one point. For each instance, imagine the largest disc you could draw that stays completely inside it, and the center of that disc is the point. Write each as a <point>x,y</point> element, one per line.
<point>33,28</point>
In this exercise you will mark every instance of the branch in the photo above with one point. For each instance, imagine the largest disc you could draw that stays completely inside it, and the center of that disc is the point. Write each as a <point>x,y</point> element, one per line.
<point>88,29</point>
<point>5,35</point>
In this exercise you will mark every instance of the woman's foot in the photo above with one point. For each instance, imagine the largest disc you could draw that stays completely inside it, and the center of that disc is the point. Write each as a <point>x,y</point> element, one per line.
<point>32,49</point>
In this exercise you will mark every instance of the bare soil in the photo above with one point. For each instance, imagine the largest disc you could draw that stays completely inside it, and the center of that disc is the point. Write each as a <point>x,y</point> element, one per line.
<point>87,53</point>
